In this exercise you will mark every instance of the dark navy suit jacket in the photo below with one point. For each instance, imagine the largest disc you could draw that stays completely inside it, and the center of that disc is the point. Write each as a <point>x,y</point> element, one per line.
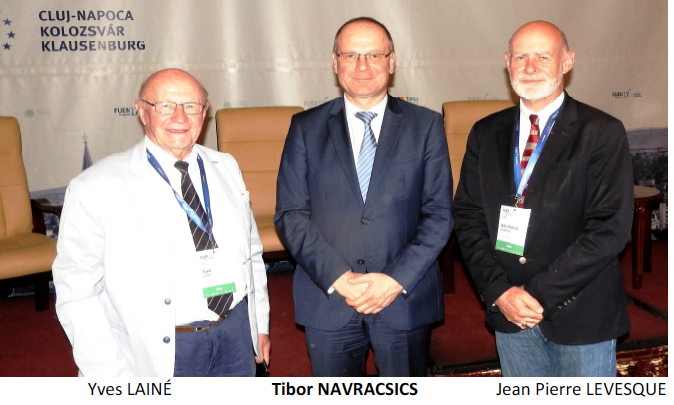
<point>401,229</point>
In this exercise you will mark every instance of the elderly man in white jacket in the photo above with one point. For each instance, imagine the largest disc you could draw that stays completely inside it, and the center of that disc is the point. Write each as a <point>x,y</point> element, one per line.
<point>159,269</point>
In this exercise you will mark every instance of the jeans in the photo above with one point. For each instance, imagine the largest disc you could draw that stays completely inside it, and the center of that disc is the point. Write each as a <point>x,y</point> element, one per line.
<point>528,353</point>
<point>343,352</point>
<point>223,350</point>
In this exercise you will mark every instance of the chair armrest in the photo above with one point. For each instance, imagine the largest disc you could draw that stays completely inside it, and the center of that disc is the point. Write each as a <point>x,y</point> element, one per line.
<point>42,204</point>
<point>38,207</point>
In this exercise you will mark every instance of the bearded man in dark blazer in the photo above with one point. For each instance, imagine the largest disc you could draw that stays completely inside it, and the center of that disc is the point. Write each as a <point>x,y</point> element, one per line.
<point>556,298</point>
<point>364,206</point>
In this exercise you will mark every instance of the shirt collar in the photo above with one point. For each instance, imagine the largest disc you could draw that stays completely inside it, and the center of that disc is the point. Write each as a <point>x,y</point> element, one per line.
<point>351,109</point>
<point>546,112</point>
<point>166,160</point>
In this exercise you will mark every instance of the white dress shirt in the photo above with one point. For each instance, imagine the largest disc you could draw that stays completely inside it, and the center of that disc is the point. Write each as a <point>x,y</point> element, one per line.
<point>357,127</point>
<point>543,117</point>
<point>191,306</point>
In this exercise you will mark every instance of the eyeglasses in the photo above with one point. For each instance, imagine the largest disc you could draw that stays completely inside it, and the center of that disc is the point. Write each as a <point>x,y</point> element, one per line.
<point>169,107</point>
<point>372,57</point>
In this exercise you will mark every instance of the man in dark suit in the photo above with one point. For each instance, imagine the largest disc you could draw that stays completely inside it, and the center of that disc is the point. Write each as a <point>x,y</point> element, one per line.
<point>364,206</point>
<point>558,305</point>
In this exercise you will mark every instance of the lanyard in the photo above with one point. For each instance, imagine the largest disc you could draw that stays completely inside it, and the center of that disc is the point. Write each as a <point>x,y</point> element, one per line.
<point>522,178</point>
<point>208,228</point>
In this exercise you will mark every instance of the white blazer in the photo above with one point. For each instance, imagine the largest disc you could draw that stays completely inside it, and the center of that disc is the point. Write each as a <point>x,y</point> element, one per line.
<point>121,242</point>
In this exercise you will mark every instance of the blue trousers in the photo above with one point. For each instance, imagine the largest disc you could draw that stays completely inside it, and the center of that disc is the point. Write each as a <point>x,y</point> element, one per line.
<point>223,350</point>
<point>343,352</point>
<point>528,353</point>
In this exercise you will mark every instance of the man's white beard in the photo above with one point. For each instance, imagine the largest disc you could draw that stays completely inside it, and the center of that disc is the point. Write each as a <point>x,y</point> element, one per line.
<point>537,91</point>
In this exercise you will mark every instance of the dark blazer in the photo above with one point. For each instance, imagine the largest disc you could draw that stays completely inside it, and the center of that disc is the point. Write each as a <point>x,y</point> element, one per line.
<point>401,229</point>
<point>581,198</point>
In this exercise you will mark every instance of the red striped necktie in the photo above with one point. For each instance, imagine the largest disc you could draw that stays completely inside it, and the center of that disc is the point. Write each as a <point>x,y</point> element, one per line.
<point>532,140</point>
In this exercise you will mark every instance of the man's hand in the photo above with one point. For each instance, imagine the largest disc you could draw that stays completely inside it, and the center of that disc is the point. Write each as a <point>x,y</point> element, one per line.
<point>349,291</point>
<point>381,291</point>
<point>520,308</point>
<point>265,346</point>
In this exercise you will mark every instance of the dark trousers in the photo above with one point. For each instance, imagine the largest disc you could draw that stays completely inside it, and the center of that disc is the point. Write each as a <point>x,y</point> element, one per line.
<point>223,350</point>
<point>343,352</point>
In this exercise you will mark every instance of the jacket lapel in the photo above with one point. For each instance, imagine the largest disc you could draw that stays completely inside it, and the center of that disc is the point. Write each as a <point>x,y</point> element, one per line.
<point>230,207</point>
<point>506,137</point>
<point>496,174</point>
<point>564,127</point>
<point>152,200</point>
<point>388,138</point>
<point>140,186</point>
<point>339,133</point>
<point>221,179</point>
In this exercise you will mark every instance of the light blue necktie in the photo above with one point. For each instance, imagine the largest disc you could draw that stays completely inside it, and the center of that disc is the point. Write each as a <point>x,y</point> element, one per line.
<point>367,152</point>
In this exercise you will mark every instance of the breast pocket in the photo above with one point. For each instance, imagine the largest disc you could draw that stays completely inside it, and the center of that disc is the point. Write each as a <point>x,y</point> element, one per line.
<point>403,172</point>
<point>568,181</point>
<point>404,158</point>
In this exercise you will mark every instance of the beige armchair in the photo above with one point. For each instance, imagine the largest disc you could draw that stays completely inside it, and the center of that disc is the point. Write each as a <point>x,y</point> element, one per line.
<point>460,116</point>
<point>255,137</point>
<point>26,257</point>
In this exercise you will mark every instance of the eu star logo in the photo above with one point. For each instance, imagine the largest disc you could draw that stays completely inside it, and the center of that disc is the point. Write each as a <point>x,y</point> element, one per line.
<point>10,35</point>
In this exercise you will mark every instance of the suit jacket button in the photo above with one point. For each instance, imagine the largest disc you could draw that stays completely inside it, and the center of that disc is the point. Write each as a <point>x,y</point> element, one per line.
<point>523,260</point>
<point>361,261</point>
<point>167,301</point>
<point>365,221</point>
<point>167,339</point>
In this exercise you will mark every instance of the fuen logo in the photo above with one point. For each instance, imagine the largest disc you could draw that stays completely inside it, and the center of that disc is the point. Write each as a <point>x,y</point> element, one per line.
<point>126,111</point>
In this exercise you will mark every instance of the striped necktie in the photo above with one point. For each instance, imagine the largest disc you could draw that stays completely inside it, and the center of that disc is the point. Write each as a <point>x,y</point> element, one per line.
<point>221,303</point>
<point>367,151</point>
<point>532,140</point>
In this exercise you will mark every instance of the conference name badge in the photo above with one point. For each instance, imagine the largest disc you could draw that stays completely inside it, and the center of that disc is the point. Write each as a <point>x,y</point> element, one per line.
<point>214,280</point>
<point>512,229</point>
